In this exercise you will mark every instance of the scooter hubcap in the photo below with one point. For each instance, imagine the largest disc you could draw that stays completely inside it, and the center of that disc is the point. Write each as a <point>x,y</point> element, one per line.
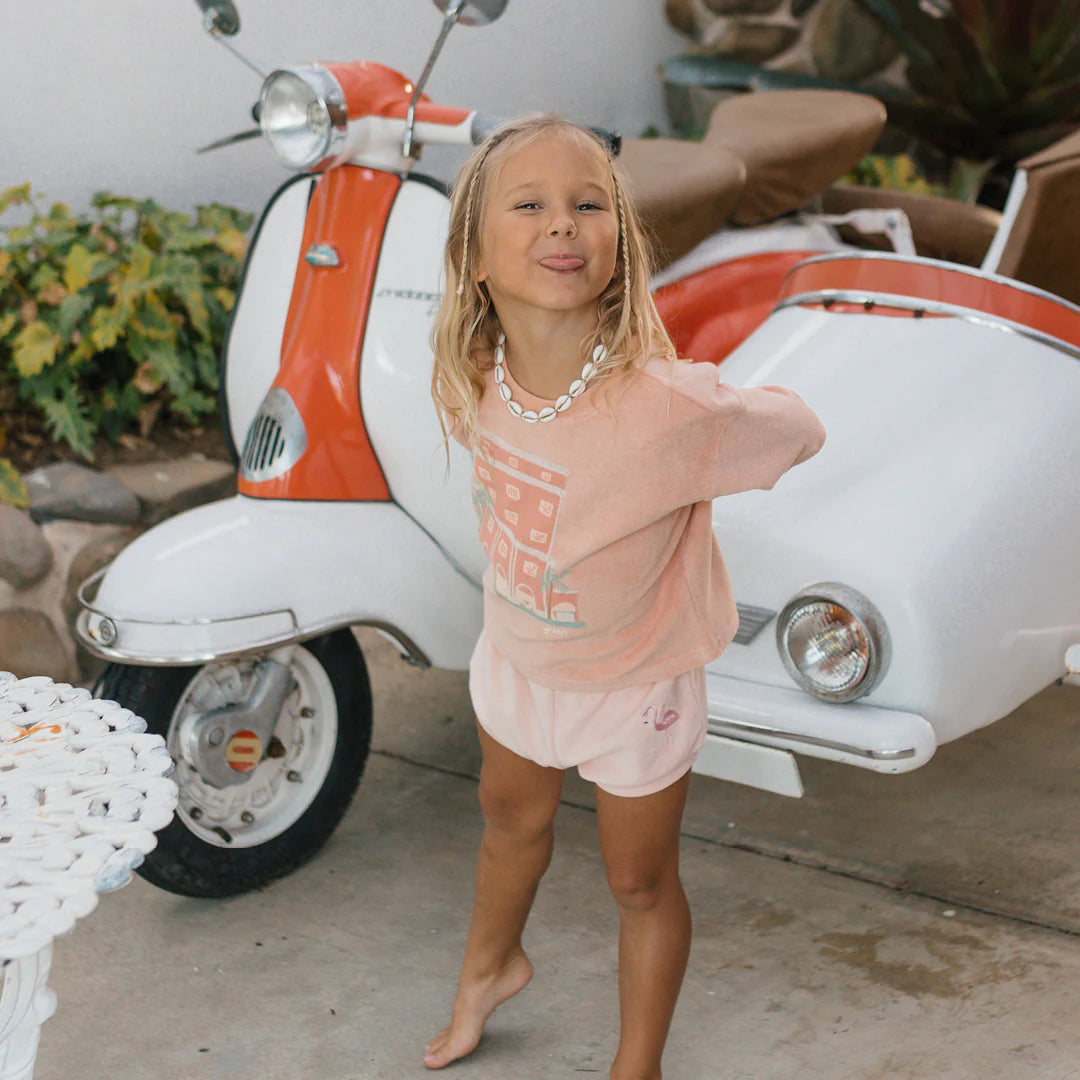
<point>279,780</point>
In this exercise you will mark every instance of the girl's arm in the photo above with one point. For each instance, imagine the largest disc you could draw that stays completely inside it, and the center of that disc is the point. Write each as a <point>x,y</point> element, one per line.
<point>770,430</point>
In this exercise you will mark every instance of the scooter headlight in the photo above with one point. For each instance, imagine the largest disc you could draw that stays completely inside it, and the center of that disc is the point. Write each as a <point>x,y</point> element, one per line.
<point>833,642</point>
<point>303,114</point>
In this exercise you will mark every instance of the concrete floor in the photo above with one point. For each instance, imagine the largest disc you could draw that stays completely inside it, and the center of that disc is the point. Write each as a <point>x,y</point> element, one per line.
<point>845,936</point>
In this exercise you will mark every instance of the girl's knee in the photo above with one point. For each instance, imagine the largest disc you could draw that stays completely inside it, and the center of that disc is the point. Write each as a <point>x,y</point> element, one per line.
<point>512,812</point>
<point>638,888</point>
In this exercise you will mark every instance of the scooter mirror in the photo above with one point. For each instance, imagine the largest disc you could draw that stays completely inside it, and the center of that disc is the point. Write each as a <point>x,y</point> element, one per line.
<point>475,12</point>
<point>222,16</point>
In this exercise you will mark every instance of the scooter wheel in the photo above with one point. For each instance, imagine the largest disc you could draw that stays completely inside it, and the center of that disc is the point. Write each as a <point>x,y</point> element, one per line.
<point>229,840</point>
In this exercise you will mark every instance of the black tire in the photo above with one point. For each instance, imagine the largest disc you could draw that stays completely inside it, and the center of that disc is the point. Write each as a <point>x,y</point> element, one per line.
<point>184,863</point>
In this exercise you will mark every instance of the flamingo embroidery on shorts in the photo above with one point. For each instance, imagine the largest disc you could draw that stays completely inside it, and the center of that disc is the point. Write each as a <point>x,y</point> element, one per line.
<point>661,718</point>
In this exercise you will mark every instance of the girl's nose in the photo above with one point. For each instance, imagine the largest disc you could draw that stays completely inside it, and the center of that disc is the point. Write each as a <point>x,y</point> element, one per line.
<point>562,225</point>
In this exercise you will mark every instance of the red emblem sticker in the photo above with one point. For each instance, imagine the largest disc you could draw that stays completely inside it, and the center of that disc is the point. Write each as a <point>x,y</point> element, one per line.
<point>244,751</point>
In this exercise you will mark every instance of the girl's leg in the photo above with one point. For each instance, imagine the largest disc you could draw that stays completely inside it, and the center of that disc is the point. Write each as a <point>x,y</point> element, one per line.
<point>519,799</point>
<point>639,840</point>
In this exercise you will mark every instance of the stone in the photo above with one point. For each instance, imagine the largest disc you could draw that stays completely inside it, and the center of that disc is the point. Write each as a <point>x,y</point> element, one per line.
<point>743,7</point>
<point>800,7</point>
<point>31,645</point>
<point>25,555</point>
<point>750,41</point>
<point>681,15</point>
<point>165,488</point>
<point>76,493</point>
<point>848,44</point>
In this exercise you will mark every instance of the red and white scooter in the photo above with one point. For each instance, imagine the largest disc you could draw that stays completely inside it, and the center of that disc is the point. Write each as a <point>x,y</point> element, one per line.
<point>228,627</point>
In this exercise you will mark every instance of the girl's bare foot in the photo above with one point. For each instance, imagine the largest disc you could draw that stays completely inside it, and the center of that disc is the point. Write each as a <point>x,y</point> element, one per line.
<point>476,1001</point>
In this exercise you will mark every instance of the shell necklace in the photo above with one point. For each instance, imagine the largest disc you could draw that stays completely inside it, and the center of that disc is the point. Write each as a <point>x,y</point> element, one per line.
<point>564,401</point>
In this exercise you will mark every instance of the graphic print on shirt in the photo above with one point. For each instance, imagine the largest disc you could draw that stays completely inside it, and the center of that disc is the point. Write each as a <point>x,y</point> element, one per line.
<point>517,499</point>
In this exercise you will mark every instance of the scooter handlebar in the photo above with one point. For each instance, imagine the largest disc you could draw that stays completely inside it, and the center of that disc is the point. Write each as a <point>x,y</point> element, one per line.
<point>483,125</point>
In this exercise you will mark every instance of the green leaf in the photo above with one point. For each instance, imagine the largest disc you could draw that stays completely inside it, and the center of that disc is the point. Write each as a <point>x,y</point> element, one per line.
<point>206,365</point>
<point>35,348</point>
<point>72,308</point>
<point>14,196</point>
<point>151,320</point>
<point>66,419</point>
<point>78,268</point>
<point>171,366</point>
<point>12,489</point>
<point>7,323</point>
<point>193,404</point>
<point>105,199</point>
<point>191,296</point>
<point>107,325</point>
<point>42,276</point>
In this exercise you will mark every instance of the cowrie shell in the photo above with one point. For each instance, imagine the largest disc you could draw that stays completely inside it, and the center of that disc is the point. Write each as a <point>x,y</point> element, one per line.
<point>546,414</point>
<point>530,416</point>
<point>504,391</point>
<point>515,408</point>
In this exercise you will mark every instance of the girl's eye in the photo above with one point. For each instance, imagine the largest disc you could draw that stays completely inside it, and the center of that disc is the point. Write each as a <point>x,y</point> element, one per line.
<point>529,204</point>
<point>589,206</point>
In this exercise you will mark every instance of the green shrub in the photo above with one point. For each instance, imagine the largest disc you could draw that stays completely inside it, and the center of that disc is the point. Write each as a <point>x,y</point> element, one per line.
<point>112,319</point>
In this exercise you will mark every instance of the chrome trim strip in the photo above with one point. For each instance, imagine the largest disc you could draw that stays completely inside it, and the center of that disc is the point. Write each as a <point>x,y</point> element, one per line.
<point>416,655</point>
<point>718,726</point>
<point>934,307</point>
<point>921,260</point>
<point>121,619</point>
<point>752,620</point>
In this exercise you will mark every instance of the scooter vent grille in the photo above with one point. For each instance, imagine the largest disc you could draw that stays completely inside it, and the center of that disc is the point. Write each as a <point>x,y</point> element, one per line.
<point>276,439</point>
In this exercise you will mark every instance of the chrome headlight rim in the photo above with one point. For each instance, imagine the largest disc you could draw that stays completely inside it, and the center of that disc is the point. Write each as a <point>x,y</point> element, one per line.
<point>329,100</point>
<point>865,614</point>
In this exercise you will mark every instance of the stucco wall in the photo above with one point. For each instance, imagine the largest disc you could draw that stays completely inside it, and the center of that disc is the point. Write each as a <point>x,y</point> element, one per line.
<point>117,94</point>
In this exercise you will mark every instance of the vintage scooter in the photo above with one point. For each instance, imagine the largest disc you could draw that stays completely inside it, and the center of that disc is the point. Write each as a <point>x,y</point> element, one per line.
<point>229,627</point>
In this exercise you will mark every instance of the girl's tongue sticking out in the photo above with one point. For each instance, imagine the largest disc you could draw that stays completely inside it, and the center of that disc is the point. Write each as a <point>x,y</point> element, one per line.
<point>562,263</point>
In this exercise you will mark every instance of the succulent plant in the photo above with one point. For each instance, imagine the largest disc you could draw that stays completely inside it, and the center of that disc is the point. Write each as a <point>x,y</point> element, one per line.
<point>990,79</point>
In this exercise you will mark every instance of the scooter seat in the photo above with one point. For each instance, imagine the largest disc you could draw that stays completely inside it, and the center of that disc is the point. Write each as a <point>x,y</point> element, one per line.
<point>794,143</point>
<point>684,191</point>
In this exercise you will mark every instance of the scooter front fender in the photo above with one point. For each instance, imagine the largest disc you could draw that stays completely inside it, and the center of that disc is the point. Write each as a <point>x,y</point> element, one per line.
<point>245,574</point>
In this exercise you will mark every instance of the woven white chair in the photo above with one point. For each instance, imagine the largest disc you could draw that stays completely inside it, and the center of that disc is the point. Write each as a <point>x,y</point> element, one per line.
<point>83,789</point>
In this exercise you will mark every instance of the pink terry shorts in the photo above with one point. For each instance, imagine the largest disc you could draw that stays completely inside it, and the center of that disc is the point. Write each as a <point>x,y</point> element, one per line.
<point>633,741</point>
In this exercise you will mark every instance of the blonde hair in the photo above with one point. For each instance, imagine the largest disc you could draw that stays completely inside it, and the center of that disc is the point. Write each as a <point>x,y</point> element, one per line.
<point>466,326</point>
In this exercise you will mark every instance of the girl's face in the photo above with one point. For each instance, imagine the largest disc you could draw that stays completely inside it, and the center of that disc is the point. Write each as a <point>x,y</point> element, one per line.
<point>549,239</point>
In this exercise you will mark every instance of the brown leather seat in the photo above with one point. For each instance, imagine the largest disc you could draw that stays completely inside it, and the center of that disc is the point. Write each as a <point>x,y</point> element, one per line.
<point>794,143</point>
<point>684,191</point>
<point>941,228</point>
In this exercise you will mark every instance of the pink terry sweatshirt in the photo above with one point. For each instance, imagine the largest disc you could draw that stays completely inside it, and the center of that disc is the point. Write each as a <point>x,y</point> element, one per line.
<point>604,568</point>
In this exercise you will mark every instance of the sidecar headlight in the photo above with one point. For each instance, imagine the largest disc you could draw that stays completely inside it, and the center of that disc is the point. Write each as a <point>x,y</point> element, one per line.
<point>833,642</point>
<point>303,114</point>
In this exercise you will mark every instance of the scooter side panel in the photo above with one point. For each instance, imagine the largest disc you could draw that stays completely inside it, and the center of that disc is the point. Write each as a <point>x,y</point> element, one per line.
<point>945,493</point>
<point>253,350</point>
<point>395,379</point>
<point>244,574</point>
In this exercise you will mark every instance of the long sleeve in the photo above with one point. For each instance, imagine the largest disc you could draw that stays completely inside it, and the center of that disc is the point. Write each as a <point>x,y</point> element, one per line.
<point>771,431</point>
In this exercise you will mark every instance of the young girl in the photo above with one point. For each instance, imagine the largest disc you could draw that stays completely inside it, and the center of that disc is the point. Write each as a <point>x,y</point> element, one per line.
<point>596,456</point>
